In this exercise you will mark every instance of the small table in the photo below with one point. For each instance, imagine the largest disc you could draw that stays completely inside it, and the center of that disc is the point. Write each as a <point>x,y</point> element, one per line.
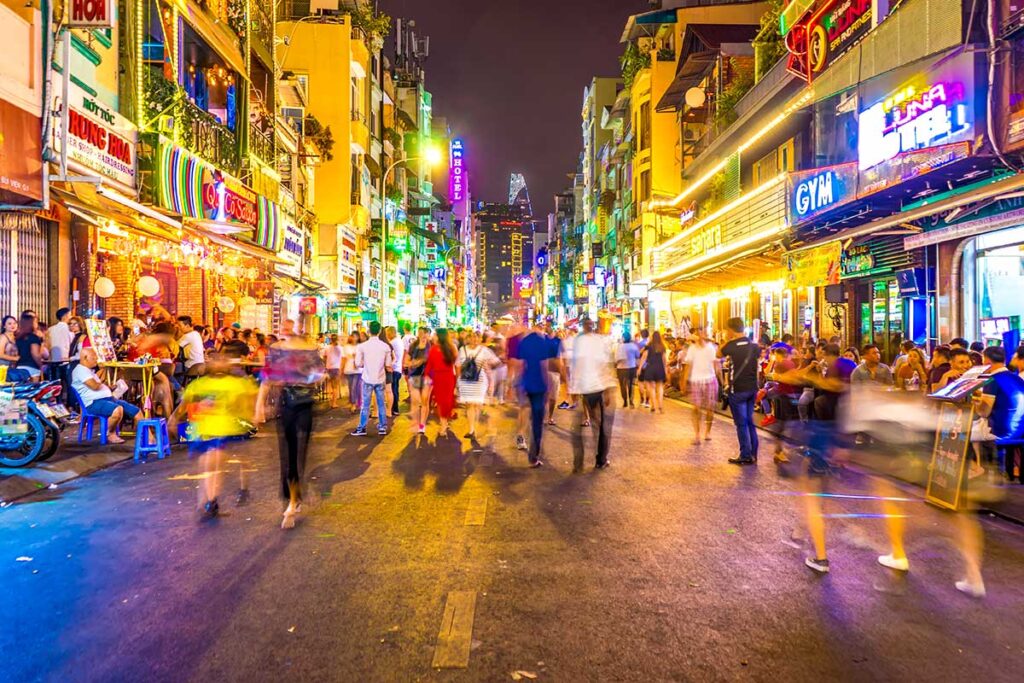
<point>147,372</point>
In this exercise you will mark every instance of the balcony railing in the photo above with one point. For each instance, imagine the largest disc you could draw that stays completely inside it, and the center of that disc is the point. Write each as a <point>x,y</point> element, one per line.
<point>262,30</point>
<point>197,130</point>
<point>261,145</point>
<point>201,133</point>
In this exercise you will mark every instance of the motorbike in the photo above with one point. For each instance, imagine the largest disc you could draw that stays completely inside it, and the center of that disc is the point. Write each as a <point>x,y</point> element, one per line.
<point>36,435</point>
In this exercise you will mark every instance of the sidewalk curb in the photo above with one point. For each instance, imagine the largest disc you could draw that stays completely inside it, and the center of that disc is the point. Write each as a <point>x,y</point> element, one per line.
<point>1016,518</point>
<point>22,483</point>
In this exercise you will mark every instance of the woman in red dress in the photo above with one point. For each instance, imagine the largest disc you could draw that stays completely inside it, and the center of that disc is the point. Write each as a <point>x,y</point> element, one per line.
<point>440,375</point>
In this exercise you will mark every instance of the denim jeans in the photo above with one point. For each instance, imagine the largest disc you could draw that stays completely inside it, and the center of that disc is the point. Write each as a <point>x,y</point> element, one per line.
<point>369,391</point>
<point>537,404</point>
<point>741,404</point>
<point>602,417</point>
<point>395,379</point>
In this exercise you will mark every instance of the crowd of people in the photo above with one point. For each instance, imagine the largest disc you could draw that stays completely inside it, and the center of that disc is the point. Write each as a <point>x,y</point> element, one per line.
<point>804,391</point>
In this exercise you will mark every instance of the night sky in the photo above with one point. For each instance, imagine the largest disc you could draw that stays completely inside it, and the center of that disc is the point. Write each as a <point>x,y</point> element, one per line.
<point>509,76</point>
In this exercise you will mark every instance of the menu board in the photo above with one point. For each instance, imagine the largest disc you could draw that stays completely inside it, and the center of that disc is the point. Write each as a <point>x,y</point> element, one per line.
<point>960,389</point>
<point>949,456</point>
<point>99,338</point>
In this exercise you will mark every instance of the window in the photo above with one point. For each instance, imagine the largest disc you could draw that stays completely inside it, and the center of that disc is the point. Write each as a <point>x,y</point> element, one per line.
<point>766,168</point>
<point>645,185</point>
<point>787,156</point>
<point>645,125</point>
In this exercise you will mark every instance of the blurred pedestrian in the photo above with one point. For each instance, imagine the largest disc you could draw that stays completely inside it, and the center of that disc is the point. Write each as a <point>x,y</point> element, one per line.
<point>294,366</point>
<point>375,358</point>
<point>474,362</point>
<point>395,377</point>
<point>537,354</point>
<point>332,361</point>
<point>352,373</point>
<point>592,378</point>
<point>701,374</point>
<point>419,392</point>
<point>653,372</point>
<point>440,374</point>
<point>742,354</point>
<point>627,355</point>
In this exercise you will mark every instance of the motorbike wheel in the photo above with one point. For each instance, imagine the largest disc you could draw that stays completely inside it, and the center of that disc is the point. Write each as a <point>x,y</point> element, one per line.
<point>29,448</point>
<point>52,442</point>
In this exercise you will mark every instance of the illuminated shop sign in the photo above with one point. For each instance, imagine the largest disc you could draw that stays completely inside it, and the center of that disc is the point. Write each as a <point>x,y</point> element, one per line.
<point>196,189</point>
<point>457,171</point>
<point>910,120</point>
<point>522,287</point>
<point>99,139</point>
<point>857,260</point>
<point>292,252</point>
<point>814,192</point>
<point>90,13</point>
<point>824,33</point>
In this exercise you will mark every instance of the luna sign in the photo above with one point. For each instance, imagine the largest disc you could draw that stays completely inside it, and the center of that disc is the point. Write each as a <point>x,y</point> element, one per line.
<point>912,119</point>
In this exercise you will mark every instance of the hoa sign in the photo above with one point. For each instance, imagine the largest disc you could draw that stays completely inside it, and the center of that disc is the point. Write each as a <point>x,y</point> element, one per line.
<point>457,171</point>
<point>90,13</point>
<point>910,120</point>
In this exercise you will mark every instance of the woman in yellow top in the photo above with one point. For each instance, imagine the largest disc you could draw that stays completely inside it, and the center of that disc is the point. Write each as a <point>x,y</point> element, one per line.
<point>220,407</point>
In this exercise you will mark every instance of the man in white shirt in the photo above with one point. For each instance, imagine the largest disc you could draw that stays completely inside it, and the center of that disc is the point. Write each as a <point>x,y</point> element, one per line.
<point>191,343</point>
<point>592,377</point>
<point>375,358</point>
<point>97,398</point>
<point>59,337</point>
<point>701,373</point>
<point>395,377</point>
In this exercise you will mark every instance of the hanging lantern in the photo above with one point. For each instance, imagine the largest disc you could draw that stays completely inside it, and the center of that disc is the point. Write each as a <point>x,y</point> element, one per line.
<point>148,285</point>
<point>226,304</point>
<point>104,287</point>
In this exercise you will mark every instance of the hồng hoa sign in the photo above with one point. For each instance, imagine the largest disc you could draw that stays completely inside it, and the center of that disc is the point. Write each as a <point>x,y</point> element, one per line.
<point>196,189</point>
<point>99,139</point>
<point>912,119</point>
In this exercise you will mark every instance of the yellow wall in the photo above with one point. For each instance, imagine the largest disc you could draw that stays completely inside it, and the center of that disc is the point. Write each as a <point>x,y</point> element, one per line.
<point>323,52</point>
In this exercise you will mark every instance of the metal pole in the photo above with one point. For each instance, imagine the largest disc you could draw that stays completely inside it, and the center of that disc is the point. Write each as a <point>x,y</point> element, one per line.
<point>65,73</point>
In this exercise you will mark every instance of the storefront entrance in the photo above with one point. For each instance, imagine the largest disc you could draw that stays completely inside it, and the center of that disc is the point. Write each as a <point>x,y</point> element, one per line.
<point>879,312</point>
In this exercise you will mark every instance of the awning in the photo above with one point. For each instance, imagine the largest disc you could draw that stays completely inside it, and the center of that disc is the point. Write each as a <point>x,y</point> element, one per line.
<point>700,47</point>
<point>647,24</point>
<point>242,247</point>
<point>86,201</point>
<point>738,272</point>
<point>217,35</point>
<point>297,284</point>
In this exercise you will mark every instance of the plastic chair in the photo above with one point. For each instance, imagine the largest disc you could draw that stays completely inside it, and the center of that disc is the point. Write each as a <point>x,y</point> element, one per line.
<point>151,437</point>
<point>89,421</point>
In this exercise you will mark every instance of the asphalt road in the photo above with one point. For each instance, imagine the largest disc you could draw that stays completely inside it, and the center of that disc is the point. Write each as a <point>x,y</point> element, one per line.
<point>670,566</point>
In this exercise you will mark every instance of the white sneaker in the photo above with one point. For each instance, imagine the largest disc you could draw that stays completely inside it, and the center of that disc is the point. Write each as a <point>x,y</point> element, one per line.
<point>966,586</point>
<point>901,565</point>
<point>288,522</point>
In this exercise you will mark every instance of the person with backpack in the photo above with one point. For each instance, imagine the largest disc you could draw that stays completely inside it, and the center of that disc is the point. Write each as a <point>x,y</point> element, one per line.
<point>474,362</point>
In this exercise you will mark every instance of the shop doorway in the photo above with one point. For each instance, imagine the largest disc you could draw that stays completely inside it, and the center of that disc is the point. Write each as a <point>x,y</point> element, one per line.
<point>880,316</point>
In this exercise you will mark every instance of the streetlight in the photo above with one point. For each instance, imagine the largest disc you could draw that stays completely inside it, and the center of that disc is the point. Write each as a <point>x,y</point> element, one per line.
<point>431,156</point>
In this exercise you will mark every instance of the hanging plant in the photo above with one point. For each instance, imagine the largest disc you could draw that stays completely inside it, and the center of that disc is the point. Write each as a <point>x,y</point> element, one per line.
<point>320,136</point>
<point>632,62</point>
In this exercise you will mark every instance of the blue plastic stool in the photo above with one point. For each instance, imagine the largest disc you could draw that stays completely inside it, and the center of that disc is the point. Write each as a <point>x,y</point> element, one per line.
<point>88,423</point>
<point>151,437</point>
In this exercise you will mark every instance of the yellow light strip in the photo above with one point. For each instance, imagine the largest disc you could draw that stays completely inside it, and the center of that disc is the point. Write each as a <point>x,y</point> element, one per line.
<point>759,190</point>
<point>767,128</point>
<point>734,293</point>
<point>732,247</point>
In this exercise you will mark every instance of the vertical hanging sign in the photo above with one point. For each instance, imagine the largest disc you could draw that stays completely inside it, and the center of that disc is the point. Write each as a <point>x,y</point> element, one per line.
<point>457,172</point>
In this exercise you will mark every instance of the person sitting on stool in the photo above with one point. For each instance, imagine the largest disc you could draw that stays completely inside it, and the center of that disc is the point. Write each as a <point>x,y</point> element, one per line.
<point>97,398</point>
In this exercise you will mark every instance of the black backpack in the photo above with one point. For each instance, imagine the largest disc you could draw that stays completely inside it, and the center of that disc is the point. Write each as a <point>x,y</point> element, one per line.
<point>470,370</point>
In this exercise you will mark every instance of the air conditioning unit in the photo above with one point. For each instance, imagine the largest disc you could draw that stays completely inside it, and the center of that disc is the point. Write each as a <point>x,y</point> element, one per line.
<point>165,125</point>
<point>323,7</point>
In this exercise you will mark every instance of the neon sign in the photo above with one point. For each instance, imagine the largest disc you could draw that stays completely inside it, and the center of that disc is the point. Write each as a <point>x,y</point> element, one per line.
<point>911,120</point>
<point>457,171</point>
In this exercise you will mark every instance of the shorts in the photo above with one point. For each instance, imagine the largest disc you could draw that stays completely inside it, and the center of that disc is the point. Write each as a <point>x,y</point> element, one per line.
<point>105,407</point>
<point>554,384</point>
<point>981,431</point>
<point>334,373</point>
<point>203,446</point>
<point>704,392</point>
<point>416,382</point>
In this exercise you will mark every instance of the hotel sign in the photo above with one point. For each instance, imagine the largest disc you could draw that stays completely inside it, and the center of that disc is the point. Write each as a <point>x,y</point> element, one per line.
<point>457,171</point>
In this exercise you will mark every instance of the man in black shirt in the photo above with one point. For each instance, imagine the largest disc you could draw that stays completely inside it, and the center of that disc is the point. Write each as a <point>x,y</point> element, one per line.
<point>743,354</point>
